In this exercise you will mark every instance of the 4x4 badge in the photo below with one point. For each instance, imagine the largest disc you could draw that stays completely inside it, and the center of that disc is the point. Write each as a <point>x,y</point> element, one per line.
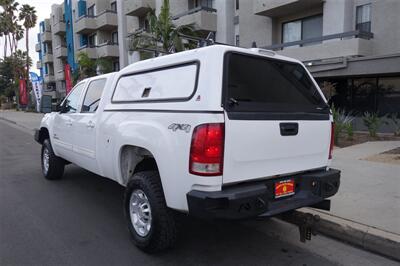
<point>184,127</point>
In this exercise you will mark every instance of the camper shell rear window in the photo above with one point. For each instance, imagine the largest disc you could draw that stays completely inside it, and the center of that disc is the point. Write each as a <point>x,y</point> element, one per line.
<point>260,84</point>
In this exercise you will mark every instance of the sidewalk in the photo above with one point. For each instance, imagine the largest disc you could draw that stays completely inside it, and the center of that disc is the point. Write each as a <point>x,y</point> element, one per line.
<point>366,210</point>
<point>26,120</point>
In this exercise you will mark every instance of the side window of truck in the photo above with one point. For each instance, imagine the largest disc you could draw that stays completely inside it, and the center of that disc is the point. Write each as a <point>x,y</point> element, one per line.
<point>172,83</point>
<point>72,101</point>
<point>93,95</point>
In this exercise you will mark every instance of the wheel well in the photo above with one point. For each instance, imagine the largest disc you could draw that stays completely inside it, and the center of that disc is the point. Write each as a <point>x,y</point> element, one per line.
<point>43,134</point>
<point>135,159</point>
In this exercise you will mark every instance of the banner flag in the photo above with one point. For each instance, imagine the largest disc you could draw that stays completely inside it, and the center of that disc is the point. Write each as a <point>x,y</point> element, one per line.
<point>37,88</point>
<point>23,94</point>
<point>68,82</point>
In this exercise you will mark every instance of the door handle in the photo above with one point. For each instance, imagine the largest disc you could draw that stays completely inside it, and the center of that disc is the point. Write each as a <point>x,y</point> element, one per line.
<point>289,129</point>
<point>90,124</point>
<point>68,122</point>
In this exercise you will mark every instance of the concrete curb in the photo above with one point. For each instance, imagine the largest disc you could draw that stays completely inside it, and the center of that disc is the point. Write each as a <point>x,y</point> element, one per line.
<point>363,236</point>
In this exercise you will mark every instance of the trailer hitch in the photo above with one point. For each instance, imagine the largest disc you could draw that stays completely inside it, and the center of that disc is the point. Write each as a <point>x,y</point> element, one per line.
<point>306,222</point>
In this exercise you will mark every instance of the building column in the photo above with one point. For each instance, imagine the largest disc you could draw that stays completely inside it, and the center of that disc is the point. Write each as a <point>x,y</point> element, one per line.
<point>122,31</point>
<point>225,28</point>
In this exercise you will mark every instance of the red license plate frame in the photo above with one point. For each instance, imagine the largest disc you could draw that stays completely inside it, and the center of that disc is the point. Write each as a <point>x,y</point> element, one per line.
<point>284,188</point>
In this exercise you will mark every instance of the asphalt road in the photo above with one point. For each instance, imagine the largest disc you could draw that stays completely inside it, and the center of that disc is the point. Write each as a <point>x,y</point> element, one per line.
<point>79,221</point>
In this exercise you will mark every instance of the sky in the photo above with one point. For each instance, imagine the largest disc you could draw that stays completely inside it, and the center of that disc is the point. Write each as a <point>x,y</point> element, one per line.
<point>43,10</point>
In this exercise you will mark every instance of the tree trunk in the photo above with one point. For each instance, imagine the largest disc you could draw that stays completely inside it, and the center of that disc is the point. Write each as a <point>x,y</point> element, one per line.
<point>28,87</point>
<point>5,46</point>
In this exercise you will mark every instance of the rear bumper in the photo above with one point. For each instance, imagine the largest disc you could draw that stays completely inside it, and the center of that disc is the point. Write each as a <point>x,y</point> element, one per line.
<point>257,198</point>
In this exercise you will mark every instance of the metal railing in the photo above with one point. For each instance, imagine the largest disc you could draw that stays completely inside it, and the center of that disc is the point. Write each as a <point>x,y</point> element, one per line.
<point>341,36</point>
<point>95,16</point>
<point>194,10</point>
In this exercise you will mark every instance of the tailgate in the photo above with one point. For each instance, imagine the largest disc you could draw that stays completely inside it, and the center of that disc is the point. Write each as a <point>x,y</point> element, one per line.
<point>276,119</point>
<point>256,149</point>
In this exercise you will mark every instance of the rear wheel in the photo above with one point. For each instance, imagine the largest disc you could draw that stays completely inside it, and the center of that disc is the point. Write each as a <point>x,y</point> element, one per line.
<point>151,223</point>
<point>52,166</point>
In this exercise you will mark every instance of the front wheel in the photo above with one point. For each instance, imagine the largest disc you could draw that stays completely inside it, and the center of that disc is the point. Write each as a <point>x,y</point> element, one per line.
<point>52,165</point>
<point>151,223</point>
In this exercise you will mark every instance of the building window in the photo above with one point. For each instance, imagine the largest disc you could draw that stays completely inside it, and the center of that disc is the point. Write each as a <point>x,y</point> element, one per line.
<point>114,6</point>
<point>237,42</point>
<point>114,37</point>
<point>363,18</point>
<point>237,4</point>
<point>201,3</point>
<point>144,23</point>
<point>92,40</point>
<point>116,66</point>
<point>302,29</point>
<point>91,11</point>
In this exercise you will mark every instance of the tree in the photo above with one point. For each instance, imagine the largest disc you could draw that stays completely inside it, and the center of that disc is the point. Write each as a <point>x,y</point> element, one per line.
<point>11,30</point>
<point>162,33</point>
<point>7,82</point>
<point>28,15</point>
<point>87,66</point>
<point>11,70</point>
<point>104,65</point>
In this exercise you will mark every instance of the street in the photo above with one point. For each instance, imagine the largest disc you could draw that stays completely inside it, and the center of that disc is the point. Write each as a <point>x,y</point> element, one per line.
<point>79,221</point>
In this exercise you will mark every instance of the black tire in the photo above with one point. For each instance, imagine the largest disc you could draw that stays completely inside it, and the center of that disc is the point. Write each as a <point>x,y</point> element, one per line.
<point>56,164</point>
<point>163,231</point>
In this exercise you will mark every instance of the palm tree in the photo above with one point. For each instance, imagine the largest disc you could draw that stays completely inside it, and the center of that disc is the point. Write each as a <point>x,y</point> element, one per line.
<point>162,32</point>
<point>9,25</point>
<point>28,15</point>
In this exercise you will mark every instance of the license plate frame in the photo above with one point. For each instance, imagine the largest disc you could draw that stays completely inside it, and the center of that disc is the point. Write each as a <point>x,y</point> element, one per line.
<point>284,188</point>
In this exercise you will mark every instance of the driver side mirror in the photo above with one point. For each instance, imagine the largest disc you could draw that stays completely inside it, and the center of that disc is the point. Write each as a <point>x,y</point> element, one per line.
<point>63,108</point>
<point>46,104</point>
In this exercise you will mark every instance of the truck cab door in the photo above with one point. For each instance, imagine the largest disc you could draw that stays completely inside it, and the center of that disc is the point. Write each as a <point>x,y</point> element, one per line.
<point>64,124</point>
<point>84,145</point>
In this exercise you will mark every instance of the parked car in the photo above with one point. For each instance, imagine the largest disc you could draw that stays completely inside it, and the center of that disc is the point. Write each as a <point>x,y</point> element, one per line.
<point>218,132</point>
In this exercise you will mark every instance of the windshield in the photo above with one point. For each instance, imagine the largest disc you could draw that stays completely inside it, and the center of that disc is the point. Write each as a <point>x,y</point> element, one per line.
<point>256,83</point>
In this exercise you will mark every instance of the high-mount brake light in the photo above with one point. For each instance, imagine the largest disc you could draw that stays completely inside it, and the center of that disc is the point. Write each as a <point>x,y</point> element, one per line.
<point>207,150</point>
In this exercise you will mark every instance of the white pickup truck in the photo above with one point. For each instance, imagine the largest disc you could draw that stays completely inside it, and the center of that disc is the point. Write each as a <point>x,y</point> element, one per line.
<point>217,132</point>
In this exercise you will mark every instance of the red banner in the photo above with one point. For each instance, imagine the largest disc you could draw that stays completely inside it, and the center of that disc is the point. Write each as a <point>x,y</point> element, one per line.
<point>23,93</point>
<point>68,82</point>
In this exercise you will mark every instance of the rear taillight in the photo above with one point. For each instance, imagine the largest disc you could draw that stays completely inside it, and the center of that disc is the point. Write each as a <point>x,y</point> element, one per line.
<point>207,150</point>
<point>332,140</point>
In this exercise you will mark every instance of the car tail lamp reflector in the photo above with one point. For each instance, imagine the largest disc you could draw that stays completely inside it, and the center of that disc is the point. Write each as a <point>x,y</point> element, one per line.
<point>207,150</point>
<point>332,140</point>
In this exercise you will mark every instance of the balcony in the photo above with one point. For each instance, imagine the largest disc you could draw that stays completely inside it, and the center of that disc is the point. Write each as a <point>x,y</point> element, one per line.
<point>48,78</point>
<point>279,8</point>
<point>107,50</point>
<point>353,43</point>
<point>138,7</point>
<point>59,75</point>
<point>202,18</point>
<point>89,50</point>
<point>85,25</point>
<point>107,20</point>
<point>39,64</point>
<point>47,58</point>
<point>59,28</point>
<point>60,52</point>
<point>37,47</point>
<point>46,36</point>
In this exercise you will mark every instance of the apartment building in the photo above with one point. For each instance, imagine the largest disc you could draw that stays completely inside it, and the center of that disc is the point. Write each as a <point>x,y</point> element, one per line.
<point>352,47</point>
<point>75,26</point>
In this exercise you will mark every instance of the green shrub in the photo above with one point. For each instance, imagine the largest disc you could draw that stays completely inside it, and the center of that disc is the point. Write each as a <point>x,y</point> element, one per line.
<point>342,122</point>
<point>394,119</point>
<point>372,121</point>
<point>349,131</point>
